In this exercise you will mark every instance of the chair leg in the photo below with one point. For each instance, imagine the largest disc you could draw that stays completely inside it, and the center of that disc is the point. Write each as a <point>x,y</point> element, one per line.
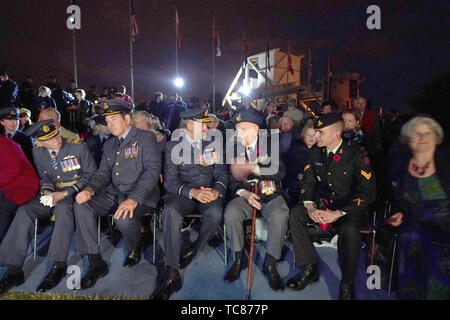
<point>99,220</point>
<point>35,238</point>
<point>392,265</point>
<point>225,249</point>
<point>154,238</point>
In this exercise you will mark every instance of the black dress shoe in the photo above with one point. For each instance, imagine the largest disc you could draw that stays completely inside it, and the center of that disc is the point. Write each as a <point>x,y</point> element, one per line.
<point>168,288</point>
<point>52,279</point>
<point>134,256</point>
<point>187,256</point>
<point>235,270</point>
<point>275,281</point>
<point>309,275</point>
<point>11,280</point>
<point>347,292</point>
<point>92,275</point>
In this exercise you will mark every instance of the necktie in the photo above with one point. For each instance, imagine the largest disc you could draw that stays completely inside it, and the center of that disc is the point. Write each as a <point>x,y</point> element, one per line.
<point>330,157</point>
<point>121,141</point>
<point>53,158</point>
<point>103,140</point>
<point>9,135</point>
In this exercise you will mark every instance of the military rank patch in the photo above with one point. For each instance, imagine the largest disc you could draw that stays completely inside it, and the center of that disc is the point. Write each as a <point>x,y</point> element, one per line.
<point>307,167</point>
<point>358,201</point>
<point>131,152</point>
<point>366,175</point>
<point>70,163</point>
<point>267,187</point>
<point>208,158</point>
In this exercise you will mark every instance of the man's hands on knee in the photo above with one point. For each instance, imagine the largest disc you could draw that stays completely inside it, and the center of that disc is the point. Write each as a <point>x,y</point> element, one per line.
<point>252,199</point>
<point>204,195</point>
<point>83,196</point>
<point>125,209</point>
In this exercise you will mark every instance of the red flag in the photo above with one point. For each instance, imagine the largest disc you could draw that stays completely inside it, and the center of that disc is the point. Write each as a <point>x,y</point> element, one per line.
<point>178,31</point>
<point>267,55</point>
<point>216,40</point>
<point>289,61</point>
<point>134,27</point>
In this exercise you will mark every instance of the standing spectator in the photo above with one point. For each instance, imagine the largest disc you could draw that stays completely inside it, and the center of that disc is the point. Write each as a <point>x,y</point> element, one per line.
<point>173,111</point>
<point>72,86</point>
<point>273,122</point>
<point>53,85</point>
<point>9,91</point>
<point>78,112</point>
<point>157,105</point>
<point>421,204</point>
<point>44,100</point>
<point>328,107</point>
<point>126,98</point>
<point>298,157</point>
<point>9,120</point>
<point>18,180</point>
<point>293,112</point>
<point>391,128</point>
<point>27,92</point>
<point>25,119</point>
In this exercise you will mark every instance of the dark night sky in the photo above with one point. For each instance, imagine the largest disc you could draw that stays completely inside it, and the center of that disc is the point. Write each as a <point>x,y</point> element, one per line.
<point>411,47</point>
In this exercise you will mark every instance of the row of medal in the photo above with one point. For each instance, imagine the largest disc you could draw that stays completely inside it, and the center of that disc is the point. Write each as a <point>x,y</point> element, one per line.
<point>70,164</point>
<point>131,152</point>
<point>208,158</point>
<point>267,187</point>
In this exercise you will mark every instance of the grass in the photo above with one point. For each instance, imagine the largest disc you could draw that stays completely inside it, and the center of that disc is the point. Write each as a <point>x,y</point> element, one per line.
<point>19,295</point>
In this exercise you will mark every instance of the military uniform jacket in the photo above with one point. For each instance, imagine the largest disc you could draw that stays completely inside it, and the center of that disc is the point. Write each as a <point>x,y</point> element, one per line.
<point>190,173</point>
<point>263,158</point>
<point>346,181</point>
<point>132,168</point>
<point>70,171</point>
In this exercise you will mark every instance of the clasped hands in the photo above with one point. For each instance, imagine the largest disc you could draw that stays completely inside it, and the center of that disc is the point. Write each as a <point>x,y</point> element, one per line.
<point>204,194</point>
<point>323,216</point>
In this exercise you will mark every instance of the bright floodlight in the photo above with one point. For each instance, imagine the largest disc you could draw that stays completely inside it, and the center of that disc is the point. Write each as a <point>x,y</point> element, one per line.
<point>245,90</point>
<point>178,82</point>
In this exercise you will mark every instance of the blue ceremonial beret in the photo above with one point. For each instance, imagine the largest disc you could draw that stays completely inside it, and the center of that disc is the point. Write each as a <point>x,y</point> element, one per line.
<point>248,115</point>
<point>9,113</point>
<point>327,120</point>
<point>198,114</point>
<point>43,130</point>
<point>112,106</point>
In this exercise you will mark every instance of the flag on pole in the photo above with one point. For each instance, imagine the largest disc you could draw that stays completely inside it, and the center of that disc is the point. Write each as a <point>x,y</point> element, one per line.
<point>216,40</point>
<point>289,62</point>
<point>267,55</point>
<point>178,31</point>
<point>246,50</point>
<point>134,27</point>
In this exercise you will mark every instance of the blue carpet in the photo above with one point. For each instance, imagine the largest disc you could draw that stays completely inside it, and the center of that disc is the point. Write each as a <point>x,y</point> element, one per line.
<point>202,279</point>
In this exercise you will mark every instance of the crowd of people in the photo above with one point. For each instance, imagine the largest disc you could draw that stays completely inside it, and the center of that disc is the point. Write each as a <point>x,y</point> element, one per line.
<point>75,156</point>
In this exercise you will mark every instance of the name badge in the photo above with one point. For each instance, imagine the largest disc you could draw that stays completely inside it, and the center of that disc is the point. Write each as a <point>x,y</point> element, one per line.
<point>267,187</point>
<point>131,152</point>
<point>208,158</point>
<point>70,163</point>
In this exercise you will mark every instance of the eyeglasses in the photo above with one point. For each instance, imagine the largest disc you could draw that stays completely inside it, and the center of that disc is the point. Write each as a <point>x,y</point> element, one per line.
<point>426,135</point>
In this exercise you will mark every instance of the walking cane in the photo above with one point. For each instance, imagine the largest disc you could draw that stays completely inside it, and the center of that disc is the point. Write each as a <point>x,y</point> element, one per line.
<point>252,240</point>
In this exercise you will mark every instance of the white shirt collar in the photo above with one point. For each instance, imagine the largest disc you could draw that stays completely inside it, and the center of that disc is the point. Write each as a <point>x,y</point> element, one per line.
<point>335,149</point>
<point>124,136</point>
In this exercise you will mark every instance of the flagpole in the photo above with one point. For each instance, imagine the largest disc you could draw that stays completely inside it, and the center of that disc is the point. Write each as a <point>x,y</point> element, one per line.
<point>267,69</point>
<point>75,71</point>
<point>213,100</point>
<point>131,57</point>
<point>287,75</point>
<point>176,46</point>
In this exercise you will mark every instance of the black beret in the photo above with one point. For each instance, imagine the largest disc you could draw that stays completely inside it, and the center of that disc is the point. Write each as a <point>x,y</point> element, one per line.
<point>248,115</point>
<point>198,114</point>
<point>9,113</point>
<point>327,120</point>
<point>112,106</point>
<point>43,130</point>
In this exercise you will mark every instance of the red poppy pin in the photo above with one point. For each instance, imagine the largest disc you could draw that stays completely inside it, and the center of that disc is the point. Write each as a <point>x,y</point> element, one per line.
<point>336,158</point>
<point>258,151</point>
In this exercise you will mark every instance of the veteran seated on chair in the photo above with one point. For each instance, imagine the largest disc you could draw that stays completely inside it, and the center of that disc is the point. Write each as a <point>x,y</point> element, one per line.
<point>197,183</point>
<point>125,185</point>
<point>339,176</point>
<point>265,166</point>
<point>64,168</point>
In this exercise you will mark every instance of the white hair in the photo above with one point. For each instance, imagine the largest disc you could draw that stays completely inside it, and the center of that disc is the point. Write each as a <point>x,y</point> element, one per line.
<point>44,91</point>
<point>408,128</point>
<point>142,115</point>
